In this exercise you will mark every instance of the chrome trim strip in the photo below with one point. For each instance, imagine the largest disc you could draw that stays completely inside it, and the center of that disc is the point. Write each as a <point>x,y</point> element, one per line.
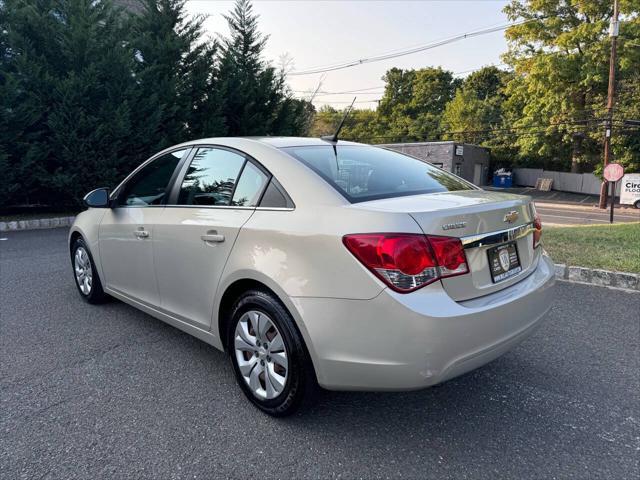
<point>494,238</point>
<point>226,207</point>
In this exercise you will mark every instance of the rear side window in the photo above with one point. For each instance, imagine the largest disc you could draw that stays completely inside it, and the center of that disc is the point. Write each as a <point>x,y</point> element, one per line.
<point>275,196</point>
<point>149,185</point>
<point>250,186</point>
<point>362,173</point>
<point>211,177</point>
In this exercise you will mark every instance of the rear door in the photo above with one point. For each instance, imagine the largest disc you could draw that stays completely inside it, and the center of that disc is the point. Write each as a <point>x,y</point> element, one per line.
<point>127,229</point>
<point>216,193</point>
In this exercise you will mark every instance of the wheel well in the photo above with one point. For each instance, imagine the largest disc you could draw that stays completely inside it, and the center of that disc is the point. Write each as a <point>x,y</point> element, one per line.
<point>74,237</point>
<point>230,295</point>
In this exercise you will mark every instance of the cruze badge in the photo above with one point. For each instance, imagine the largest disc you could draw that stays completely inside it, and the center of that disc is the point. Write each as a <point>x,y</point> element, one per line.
<point>451,226</point>
<point>511,216</point>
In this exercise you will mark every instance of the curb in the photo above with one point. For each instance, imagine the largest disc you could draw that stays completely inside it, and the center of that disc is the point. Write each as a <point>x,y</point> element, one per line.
<point>36,224</point>
<point>601,278</point>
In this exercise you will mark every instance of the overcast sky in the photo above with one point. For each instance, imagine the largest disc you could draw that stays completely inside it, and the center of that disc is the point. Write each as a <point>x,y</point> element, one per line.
<point>319,33</point>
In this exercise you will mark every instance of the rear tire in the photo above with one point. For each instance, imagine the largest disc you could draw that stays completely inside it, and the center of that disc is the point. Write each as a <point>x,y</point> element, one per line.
<point>86,275</point>
<point>269,358</point>
<point>637,204</point>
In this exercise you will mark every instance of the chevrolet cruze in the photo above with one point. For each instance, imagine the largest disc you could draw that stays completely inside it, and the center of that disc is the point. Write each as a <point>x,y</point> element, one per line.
<point>318,263</point>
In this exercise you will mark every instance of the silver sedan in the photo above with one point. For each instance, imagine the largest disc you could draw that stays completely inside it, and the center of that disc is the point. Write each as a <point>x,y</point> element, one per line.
<point>318,263</point>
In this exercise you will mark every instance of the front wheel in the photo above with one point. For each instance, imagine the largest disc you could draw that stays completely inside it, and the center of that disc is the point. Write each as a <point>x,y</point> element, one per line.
<point>86,275</point>
<point>637,204</point>
<point>268,354</point>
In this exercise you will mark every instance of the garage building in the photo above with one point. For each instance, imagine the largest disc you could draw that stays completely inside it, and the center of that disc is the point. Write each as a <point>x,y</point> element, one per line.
<point>468,161</point>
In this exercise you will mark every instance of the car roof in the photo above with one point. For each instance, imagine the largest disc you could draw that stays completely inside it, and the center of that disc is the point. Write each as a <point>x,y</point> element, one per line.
<point>277,142</point>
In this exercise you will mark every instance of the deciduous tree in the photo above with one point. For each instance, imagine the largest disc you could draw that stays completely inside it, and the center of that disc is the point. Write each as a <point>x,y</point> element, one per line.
<point>560,55</point>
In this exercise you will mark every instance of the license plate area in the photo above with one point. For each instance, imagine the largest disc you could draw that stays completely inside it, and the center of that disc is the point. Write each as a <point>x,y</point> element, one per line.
<point>504,262</point>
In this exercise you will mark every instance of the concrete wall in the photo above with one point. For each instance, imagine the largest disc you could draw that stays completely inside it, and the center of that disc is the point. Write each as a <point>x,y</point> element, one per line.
<point>562,181</point>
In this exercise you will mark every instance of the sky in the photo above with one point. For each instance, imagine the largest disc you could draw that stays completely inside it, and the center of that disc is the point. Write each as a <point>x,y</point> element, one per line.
<point>317,33</point>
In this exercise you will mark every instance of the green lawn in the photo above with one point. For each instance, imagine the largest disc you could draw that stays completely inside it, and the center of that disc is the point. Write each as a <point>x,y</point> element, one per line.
<point>610,247</point>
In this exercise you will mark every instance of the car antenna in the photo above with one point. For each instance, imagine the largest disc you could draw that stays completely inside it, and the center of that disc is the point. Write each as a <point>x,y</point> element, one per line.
<point>334,138</point>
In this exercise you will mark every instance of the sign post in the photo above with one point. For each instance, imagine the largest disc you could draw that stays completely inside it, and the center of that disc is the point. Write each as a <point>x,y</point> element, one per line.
<point>613,200</point>
<point>612,173</point>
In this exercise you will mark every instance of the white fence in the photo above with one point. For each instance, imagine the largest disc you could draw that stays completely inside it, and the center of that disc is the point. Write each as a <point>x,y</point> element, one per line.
<point>562,181</point>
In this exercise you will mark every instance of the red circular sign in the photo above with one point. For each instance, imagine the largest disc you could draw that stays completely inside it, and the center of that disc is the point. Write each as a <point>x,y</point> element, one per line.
<point>613,172</point>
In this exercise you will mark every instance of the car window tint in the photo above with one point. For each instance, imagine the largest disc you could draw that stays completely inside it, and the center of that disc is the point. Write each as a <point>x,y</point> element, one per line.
<point>149,185</point>
<point>362,173</point>
<point>211,177</point>
<point>250,186</point>
<point>275,196</point>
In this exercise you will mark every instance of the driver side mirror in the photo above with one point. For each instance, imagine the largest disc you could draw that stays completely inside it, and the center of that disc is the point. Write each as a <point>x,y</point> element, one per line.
<point>98,198</point>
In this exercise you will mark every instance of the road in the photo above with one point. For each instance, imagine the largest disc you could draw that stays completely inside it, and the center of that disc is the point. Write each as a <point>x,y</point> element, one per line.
<point>557,214</point>
<point>109,392</point>
<point>565,208</point>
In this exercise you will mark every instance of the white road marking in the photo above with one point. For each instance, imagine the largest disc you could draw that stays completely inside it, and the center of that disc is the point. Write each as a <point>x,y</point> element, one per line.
<point>583,214</point>
<point>2,239</point>
<point>574,218</point>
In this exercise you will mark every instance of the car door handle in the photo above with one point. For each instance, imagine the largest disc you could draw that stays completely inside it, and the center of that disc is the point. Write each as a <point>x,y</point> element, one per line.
<point>141,234</point>
<point>213,237</point>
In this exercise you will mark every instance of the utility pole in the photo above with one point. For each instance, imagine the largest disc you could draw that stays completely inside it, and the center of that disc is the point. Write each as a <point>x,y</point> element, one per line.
<point>613,34</point>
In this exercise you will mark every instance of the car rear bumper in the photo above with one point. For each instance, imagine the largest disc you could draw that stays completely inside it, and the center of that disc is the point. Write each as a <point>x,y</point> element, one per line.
<point>410,341</point>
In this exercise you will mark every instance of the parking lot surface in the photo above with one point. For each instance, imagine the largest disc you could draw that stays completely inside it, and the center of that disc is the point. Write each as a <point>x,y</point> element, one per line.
<point>110,392</point>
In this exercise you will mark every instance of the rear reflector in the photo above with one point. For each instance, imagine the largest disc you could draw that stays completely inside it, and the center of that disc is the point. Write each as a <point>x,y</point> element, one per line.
<point>406,261</point>
<point>537,233</point>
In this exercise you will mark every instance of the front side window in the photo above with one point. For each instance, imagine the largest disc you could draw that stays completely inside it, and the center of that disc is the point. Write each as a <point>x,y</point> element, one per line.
<point>211,177</point>
<point>149,185</point>
<point>362,173</point>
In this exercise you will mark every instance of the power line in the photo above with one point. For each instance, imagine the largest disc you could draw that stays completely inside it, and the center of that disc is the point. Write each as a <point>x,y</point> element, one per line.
<point>358,90</point>
<point>366,91</point>
<point>326,102</point>
<point>421,48</point>
<point>326,94</point>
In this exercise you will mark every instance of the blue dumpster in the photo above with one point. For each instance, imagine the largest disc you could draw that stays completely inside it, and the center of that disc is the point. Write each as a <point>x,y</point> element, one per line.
<point>502,180</point>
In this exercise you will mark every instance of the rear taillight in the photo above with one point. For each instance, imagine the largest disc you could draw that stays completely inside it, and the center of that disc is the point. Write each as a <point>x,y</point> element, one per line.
<point>406,261</point>
<point>537,232</point>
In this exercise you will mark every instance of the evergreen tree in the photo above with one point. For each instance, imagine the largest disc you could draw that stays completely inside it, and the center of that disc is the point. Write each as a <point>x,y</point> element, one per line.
<point>66,78</point>
<point>253,91</point>
<point>178,71</point>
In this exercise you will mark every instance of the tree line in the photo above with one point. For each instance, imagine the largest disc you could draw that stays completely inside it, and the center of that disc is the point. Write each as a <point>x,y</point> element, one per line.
<point>88,90</point>
<point>546,107</point>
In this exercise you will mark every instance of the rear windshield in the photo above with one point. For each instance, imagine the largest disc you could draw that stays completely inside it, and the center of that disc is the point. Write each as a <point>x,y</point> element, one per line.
<point>362,173</point>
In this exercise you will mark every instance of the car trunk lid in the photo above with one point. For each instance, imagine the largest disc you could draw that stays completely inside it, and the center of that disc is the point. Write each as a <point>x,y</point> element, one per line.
<point>482,220</point>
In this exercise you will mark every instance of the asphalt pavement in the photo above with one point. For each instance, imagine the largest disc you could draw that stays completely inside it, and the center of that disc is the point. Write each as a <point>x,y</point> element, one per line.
<point>110,392</point>
<point>566,215</point>
<point>565,208</point>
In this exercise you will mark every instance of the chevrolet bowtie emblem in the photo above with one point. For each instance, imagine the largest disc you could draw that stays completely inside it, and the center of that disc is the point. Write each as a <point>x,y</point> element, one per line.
<point>511,216</point>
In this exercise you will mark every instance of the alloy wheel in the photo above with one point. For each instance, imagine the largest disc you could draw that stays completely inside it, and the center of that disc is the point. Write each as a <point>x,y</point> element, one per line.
<point>261,355</point>
<point>82,267</point>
